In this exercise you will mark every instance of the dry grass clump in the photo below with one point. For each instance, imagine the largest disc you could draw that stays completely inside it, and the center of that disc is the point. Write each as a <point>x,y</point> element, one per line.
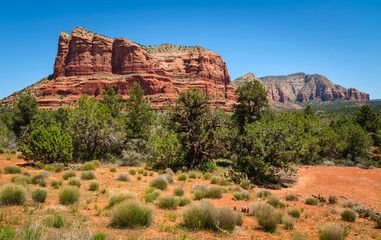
<point>11,169</point>
<point>204,216</point>
<point>131,214</point>
<point>182,177</point>
<point>183,201</point>
<point>168,177</point>
<point>310,201</point>
<point>40,178</point>
<point>74,182</point>
<point>178,191</point>
<point>119,197</point>
<point>294,212</point>
<point>168,202</point>
<point>39,195</point>
<point>349,215</point>
<point>266,216</point>
<point>88,175</point>
<point>151,195</point>
<point>159,183</point>
<point>68,174</point>
<point>192,175</point>
<point>241,195</point>
<point>332,232</point>
<point>125,177</point>
<point>93,186</point>
<point>56,221</point>
<point>202,191</point>
<point>69,195</point>
<point>275,202</point>
<point>12,194</point>
<point>21,180</point>
<point>132,172</point>
<point>291,197</point>
<point>263,194</point>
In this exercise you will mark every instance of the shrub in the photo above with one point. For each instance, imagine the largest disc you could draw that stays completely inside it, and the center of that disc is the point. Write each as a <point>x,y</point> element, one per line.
<point>56,221</point>
<point>7,232</point>
<point>58,167</point>
<point>74,182</point>
<point>12,194</point>
<point>168,178</point>
<point>39,195</point>
<point>183,201</point>
<point>226,219</point>
<point>288,225</point>
<point>332,199</point>
<point>98,236</point>
<point>263,194</point>
<point>214,192</point>
<point>112,169</point>
<point>11,170</point>
<point>150,197</point>
<point>378,222</point>
<point>88,175</point>
<point>55,183</point>
<point>348,204</point>
<point>93,186</point>
<point>348,215</point>
<point>214,180</point>
<point>13,151</point>
<point>291,197</point>
<point>126,177</point>
<point>192,175</point>
<point>268,224</point>
<point>242,195</point>
<point>132,172</point>
<point>39,177</point>
<point>68,175</point>
<point>145,173</point>
<point>275,202</point>
<point>203,191</point>
<point>69,195</point>
<point>332,232</point>
<point>140,171</point>
<point>117,198</point>
<point>1,151</point>
<point>223,182</point>
<point>245,184</point>
<point>182,177</point>
<point>294,212</point>
<point>178,191</point>
<point>159,183</point>
<point>310,201</point>
<point>88,166</point>
<point>139,178</point>
<point>20,180</point>
<point>131,214</point>
<point>168,202</point>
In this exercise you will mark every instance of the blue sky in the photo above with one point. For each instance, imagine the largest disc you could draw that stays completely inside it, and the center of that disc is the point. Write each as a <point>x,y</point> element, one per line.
<point>339,39</point>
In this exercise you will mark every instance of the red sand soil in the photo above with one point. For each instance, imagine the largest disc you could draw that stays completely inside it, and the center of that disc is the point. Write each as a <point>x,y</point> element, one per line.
<point>346,183</point>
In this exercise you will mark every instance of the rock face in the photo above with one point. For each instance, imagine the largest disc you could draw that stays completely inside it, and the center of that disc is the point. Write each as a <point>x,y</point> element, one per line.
<point>301,87</point>
<point>88,63</point>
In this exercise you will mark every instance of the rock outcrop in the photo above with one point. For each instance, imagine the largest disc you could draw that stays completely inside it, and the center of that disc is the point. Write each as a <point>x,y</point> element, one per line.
<point>301,87</point>
<point>88,63</point>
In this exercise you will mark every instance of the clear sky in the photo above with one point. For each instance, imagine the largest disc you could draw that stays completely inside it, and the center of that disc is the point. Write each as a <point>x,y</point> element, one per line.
<point>340,39</point>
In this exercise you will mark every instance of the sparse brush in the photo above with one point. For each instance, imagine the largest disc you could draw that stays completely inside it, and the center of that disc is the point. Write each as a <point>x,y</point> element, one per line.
<point>291,197</point>
<point>11,170</point>
<point>119,197</point>
<point>88,175</point>
<point>288,224</point>
<point>205,176</point>
<point>159,183</point>
<point>226,219</point>
<point>332,199</point>
<point>183,201</point>
<point>348,215</point>
<point>58,167</point>
<point>93,186</point>
<point>88,166</point>
<point>55,183</point>
<point>275,202</point>
<point>263,194</point>
<point>39,195</point>
<point>294,212</point>
<point>150,197</point>
<point>140,171</point>
<point>242,195</point>
<point>192,175</point>
<point>348,204</point>
<point>168,178</point>
<point>182,177</point>
<point>125,177</point>
<point>178,191</point>
<point>332,232</point>
<point>74,182</point>
<point>13,151</point>
<point>359,209</point>
<point>69,195</point>
<point>56,221</point>
<point>98,236</point>
<point>223,182</point>
<point>214,180</point>
<point>7,232</point>
<point>203,191</point>
<point>39,177</point>
<point>21,180</point>
<point>310,201</point>
<point>132,172</point>
<point>68,174</point>
<point>168,202</point>
<point>131,214</point>
<point>245,184</point>
<point>12,194</point>
<point>299,236</point>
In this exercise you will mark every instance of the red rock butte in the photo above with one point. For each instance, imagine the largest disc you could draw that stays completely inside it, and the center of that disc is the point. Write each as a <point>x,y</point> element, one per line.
<point>88,63</point>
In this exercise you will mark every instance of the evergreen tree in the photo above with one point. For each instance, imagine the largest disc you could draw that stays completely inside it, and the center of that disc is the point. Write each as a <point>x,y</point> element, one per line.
<point>368,119</point>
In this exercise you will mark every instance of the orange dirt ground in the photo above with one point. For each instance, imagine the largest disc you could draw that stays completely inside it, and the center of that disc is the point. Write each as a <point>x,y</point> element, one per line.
<point>347,183</point>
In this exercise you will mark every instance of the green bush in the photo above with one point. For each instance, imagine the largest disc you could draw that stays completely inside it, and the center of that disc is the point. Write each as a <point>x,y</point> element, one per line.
<point>55,183</point>
<point>39,195</point>
<point>294,212</point>
<point>245,184</point>
<point>68,174</point>
<point>13,151</point>
<point>99,236</point>
<point>56,221</point>
<point>151,196</point>
<point>140,171</point>
<point>88,166</point>
<point>125,177</point>
<point>11,170</point>
<point>214,192</point>
<point>88,175</point>
<point>183,201</point>
<point>1,151</point>
<point>288,225</point>
<point>69,195</point>
<point>112,169</point>
<point>332,232</point>
<point>159,183</point>
<point>203,191</point>
<point>74,182</point>
<point>93,186</point>
<point>168,202</point>
<point>7,233</point>
<point>131,214</point>
<point>192,175</point>
<point>182,177</point>
<point>58,167</point>
<point>178,191</point>
<point>132,172</point>
<point>311,201</point>
<point>241,195</point>
<point>214,180</point>
<point>12,194</point>
<point>291,197</point>
<point>119,197</point>
<point>39,177</point>
<point>275,202</point>
<point>348,215</point>
<point>265,214</point>
<point>263,194</point>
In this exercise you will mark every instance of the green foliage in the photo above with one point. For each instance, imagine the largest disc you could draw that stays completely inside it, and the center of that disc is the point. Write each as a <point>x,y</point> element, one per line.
<point>167,148</point>
<point>131,214</point>
<point>310,201</point>
<point>275,202</point>
<point>332,199</point>
<point>21,180</point>
<point>39,177</point>
<point>93,186</point>
<point>125,177</point>
<point>74,182</point>
<point>132,172</point>
<point>295,213</point>
<point>93,130</point>
<point>151,196</point>
<point>112,169</point>
<point>192,175</point>
<point>68,174</point>
<point>242,195</point>
<point>48,145</point>
<point>69,195</point>
<point>332,232</point>
<point>88,175</point>
<point>88,166</point>
<point>11,169</point>
<point>117,198</point>
<point>13,151</point>
<point>183,201</point>
<point>39,195</point>
<point>168,202</point>
<point>159,183</point>
<point>12,194</point>
<point>112,101</point>
<point>56,221</point>
<point>214,180</point>
<point>263,194</point>
<point>99,236</point>
<point>291,197</point>
<point>23,112</point>
<point>182,177</point>
<point>368,119</point>
<point>178,191</point>
<point>266,216</point>
<point>7,232</point>
<point>348,215</point>
<point>208,192</point>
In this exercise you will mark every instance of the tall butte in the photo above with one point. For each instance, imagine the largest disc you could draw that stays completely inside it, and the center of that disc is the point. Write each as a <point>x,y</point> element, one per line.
<point>88,63</point>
